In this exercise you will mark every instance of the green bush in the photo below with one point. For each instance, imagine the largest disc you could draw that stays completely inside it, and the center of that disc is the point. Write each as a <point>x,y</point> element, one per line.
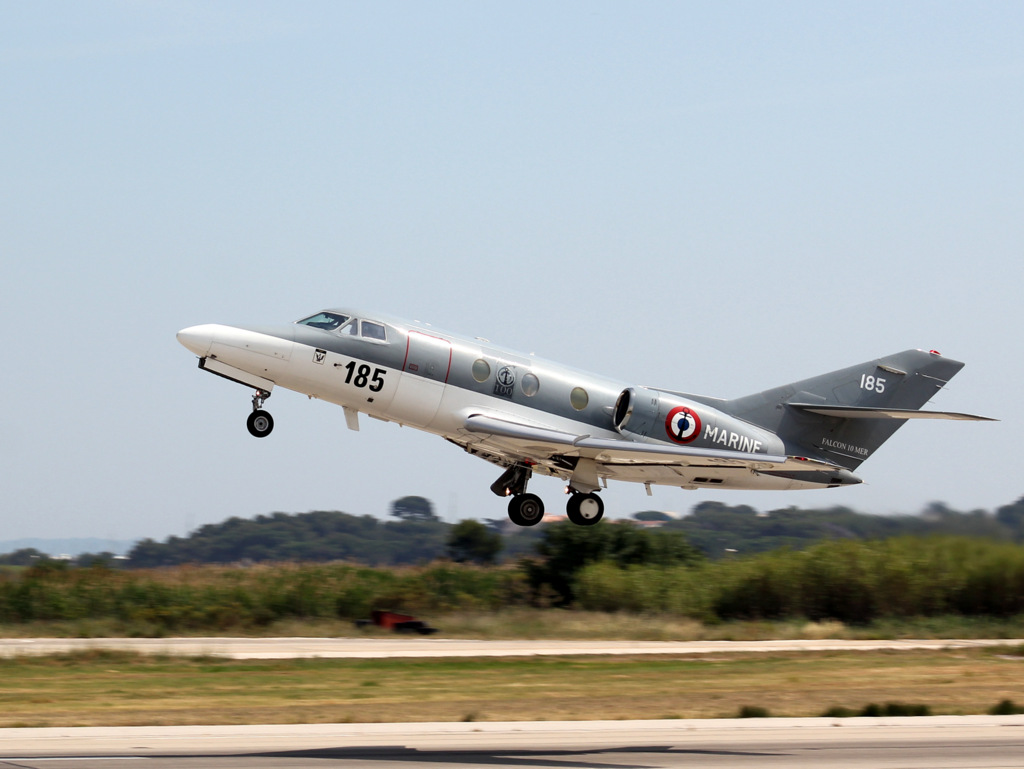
<point>838,711</point>
<point>221,598</point>
<point>1005,708</point>
<point>681,590</point>
<point>753,711</point>
<point>893,709</point>
<point>617,569</point>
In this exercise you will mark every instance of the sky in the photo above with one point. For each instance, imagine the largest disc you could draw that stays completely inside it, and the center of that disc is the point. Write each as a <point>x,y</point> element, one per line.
<point>710,197</point>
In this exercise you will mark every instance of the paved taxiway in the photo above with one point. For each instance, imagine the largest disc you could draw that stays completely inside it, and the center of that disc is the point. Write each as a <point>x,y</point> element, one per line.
<point>369,648</point>
<point>941,742</point>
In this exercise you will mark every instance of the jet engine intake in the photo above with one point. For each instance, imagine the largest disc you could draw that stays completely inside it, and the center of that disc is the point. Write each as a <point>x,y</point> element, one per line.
<point>639,411</point>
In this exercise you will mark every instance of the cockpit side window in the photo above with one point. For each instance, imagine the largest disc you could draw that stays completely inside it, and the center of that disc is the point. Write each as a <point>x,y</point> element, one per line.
<point>374,331</point>
<point>325,320</point>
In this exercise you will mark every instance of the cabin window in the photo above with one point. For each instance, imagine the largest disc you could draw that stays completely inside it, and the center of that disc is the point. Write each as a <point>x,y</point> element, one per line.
<point>374,331</point>
<point>325,320</point>
<point>530,385</point>
<point>481,370</point>
<point>579,398</point>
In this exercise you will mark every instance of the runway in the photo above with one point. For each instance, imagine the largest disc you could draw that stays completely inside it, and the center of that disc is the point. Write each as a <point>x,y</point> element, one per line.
<point>377,647</point>
<point>942,742</point>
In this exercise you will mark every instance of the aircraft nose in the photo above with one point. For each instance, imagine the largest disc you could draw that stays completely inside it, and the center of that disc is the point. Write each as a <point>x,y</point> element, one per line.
<point>198,339</point>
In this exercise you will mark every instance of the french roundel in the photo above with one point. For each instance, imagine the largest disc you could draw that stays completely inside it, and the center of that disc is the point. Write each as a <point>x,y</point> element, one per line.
<point>682,424</point>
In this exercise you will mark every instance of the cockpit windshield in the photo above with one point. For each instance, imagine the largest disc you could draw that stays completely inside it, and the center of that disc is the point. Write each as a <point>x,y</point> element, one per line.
<point>347,325</point>
<point>325,320</point>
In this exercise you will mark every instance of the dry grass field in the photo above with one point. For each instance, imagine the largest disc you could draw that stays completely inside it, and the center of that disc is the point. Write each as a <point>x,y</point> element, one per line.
<point>117,688</point>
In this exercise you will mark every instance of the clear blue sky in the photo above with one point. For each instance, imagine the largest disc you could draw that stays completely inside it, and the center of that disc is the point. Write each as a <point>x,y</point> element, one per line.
<point>713,197</point>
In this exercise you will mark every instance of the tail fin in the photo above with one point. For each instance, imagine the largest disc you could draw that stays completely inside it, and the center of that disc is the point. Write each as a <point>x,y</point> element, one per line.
<point>844,416</point>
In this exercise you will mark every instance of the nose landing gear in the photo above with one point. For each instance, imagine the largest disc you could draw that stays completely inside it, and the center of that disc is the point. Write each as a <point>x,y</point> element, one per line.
<point>259,423</point>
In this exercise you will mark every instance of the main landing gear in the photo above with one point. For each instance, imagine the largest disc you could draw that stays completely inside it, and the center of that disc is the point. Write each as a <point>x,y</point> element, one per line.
<point>260,423</point>
<point>525,509</point>
<point>582,509</point>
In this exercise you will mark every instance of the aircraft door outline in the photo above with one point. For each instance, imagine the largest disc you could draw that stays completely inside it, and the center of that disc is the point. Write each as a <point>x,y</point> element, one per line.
<point>425,372</point>
<point>428,356</point>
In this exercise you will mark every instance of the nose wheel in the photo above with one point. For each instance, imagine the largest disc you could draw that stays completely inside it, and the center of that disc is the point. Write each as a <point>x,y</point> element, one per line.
<point>259,423</point>
<point>584,509</point>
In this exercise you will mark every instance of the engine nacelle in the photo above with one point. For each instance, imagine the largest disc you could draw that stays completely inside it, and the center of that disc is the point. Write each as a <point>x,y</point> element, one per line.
<point>648,415</point>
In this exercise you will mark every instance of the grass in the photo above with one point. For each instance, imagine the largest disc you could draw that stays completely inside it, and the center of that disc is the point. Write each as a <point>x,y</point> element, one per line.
<point>119,688</point>
<point>525,623</point>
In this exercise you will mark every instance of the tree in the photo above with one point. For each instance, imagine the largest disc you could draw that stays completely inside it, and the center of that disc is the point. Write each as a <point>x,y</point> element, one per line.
<point>27,556</point>
<point>413,509</point>
<point>315,536</point>
<point>1012,517</point>
<point>472,541</point>
<point>652,515</point>
<point>106,559</point>
<point>567,548</point>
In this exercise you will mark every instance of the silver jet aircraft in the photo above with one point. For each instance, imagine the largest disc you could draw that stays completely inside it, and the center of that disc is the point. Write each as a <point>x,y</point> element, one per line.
<point>529,416</point>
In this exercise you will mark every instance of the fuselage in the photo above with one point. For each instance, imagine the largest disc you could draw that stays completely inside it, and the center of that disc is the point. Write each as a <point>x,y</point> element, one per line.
<point>413,374</point>
<point>408,372</point>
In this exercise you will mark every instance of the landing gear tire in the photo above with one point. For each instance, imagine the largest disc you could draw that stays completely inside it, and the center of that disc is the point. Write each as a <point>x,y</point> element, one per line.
<point>585,509</point>
<point>525,509</point>
<point>260,423</point>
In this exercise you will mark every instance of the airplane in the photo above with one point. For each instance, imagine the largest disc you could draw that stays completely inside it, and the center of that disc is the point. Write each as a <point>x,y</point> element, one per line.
<point>528,415</point>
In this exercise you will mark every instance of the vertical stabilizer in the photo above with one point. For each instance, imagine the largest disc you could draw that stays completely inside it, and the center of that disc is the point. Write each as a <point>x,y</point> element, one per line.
<point>880,396</point>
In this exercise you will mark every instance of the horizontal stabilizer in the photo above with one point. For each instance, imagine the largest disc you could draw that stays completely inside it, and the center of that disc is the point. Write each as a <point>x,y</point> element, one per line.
<point>867,412</point>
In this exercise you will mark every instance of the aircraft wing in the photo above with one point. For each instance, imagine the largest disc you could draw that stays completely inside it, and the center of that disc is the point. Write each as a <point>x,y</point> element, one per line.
<point>868,412</point>
<point>533,442</point>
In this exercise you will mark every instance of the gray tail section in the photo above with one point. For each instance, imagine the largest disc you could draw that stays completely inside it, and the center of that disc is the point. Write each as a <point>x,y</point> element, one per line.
<point>879,397</point>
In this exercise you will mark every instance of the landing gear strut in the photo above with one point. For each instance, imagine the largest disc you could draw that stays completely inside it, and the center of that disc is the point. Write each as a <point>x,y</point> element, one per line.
<point>512,481</point>
<point>523,509</point>
<point>260,423</point>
